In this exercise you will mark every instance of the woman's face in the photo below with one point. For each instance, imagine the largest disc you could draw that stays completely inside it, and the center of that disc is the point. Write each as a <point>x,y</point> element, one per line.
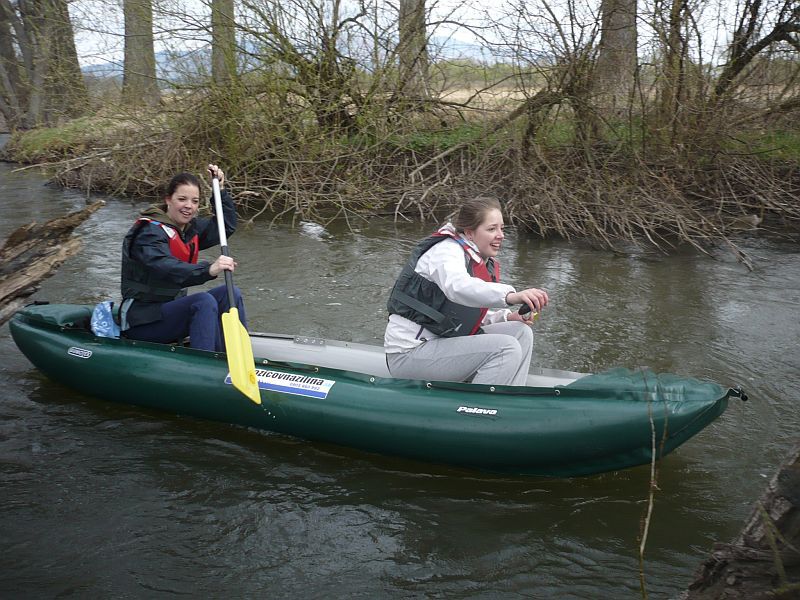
<point>488,236</point>
<point>183,204</point>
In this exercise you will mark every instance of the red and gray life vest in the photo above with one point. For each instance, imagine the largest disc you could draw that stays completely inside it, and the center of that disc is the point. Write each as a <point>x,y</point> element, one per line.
<point>423,302</point>
<point>138,282</point>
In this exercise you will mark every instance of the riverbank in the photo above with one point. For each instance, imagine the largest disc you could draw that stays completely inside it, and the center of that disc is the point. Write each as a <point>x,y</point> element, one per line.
<point>115,499</point>
<point>612,195</point>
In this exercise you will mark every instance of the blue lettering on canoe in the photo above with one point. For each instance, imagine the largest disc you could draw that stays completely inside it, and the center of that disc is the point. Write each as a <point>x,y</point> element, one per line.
<point>291,383</point>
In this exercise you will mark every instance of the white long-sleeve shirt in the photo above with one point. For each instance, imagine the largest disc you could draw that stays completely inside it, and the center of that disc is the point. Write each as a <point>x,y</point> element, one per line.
<point>445,266</point>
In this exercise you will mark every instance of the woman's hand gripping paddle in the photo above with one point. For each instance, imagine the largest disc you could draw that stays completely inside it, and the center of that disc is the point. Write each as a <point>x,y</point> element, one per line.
<point>237,340</point>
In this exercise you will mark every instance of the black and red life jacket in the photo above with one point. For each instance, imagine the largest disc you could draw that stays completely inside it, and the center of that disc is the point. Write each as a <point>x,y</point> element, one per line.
<point>139,282</point>
<point>185,251</point>
<point>422,301</point>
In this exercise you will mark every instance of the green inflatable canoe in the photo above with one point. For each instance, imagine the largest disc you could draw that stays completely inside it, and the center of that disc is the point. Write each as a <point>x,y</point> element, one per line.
<point>562,424</point>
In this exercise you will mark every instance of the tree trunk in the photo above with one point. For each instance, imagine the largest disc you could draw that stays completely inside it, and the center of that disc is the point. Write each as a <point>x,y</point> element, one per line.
<point>413,50</point>
<point>33,253</point>
<point>615,69</point>
<point>672,83</point>
<point>223,42</point>
<point>12,91</point>
<point>139,83</point>
<point>33,38</point>
<point>67,95</point>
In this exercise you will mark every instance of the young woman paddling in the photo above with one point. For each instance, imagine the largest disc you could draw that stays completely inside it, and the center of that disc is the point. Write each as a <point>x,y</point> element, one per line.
<point>440,325</point>
<point>160,259</point>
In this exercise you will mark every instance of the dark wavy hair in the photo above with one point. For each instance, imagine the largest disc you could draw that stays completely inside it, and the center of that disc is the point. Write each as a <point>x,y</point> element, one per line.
<point>181,179</point>
<point>473,211</point>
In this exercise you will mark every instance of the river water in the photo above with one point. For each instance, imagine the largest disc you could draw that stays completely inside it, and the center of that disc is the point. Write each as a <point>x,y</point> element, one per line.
<point>104,500</point>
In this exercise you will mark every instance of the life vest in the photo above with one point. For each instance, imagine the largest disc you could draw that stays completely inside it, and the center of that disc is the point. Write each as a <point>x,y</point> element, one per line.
<point>423,302</point>
<point>140,283</point>
<point>187,252</point>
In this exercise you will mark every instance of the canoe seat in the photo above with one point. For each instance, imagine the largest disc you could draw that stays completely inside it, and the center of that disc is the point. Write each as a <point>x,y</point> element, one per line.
<point>347,356</point>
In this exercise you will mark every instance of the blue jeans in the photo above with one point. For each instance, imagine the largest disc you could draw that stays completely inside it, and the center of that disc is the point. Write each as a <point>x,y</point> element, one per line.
<point>195,315</point>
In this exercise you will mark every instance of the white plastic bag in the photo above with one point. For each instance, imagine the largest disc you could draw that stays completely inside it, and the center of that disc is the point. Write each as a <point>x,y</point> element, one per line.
<point>103,323</point>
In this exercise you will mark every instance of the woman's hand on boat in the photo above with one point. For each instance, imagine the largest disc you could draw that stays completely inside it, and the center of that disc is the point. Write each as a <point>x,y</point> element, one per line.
<point>223,263</point>
<point>535,298</point>
<point>218,173</point>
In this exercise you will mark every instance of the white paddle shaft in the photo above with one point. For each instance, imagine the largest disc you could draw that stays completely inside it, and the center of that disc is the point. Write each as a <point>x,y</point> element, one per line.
<point>223,239</point>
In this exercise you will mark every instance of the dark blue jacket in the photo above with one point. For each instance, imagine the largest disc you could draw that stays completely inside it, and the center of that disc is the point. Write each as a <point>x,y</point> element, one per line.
<point>151,275</point>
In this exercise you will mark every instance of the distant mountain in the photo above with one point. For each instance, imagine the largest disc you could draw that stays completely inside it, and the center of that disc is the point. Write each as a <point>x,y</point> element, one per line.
<point>169,65</point>
<point>104,69</point>
<point>176,67</point>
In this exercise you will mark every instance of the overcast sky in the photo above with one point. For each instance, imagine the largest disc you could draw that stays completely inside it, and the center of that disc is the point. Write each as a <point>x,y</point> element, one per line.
<point>98,25</point>
<point>179,23</point>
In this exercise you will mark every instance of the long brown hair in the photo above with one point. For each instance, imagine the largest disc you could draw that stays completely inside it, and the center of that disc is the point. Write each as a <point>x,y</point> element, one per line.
<point>473,211</point>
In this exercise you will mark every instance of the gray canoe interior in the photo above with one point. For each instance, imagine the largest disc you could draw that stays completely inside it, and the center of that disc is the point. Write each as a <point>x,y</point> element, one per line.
<point>361,358</point>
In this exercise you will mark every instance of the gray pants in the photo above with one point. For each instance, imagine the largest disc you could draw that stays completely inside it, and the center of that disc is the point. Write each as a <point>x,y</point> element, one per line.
<point>499,356</point>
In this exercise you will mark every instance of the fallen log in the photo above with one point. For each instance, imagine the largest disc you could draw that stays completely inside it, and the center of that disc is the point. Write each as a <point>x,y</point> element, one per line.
<point>764,561</point>
<point>33,253</point>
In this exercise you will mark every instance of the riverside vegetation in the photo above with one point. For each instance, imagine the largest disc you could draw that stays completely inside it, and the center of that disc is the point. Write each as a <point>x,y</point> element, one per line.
<point>561,165</point>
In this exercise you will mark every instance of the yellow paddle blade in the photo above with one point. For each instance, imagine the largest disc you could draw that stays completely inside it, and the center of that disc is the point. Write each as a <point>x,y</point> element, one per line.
<point>240,356</point>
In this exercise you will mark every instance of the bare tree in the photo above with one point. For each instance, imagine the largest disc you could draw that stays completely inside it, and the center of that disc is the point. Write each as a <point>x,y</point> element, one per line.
<point>223,41</point>
<point>139,83</point>
<point>749,39</point>
<point>27,68</point>
<point>67,95</point>
<point>673,18</point>
<point>12,90</point>
<point>615,69</point>
<point>303,44</point>
<point>413,49</point>
<point>40,78</point>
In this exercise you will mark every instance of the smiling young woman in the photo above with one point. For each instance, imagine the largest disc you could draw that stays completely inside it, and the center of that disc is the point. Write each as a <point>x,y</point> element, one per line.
<point>160,260</point>
<point>448,312</point>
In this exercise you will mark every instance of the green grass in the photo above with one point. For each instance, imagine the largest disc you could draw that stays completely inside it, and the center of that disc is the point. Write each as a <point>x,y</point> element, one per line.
<point>55,142</point>
<point>438,140</point>
<point>773,144</point>
<point>557,133</point>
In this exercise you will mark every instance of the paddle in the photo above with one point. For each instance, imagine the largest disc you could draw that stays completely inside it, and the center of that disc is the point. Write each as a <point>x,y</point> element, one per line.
<point>237,340</point>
